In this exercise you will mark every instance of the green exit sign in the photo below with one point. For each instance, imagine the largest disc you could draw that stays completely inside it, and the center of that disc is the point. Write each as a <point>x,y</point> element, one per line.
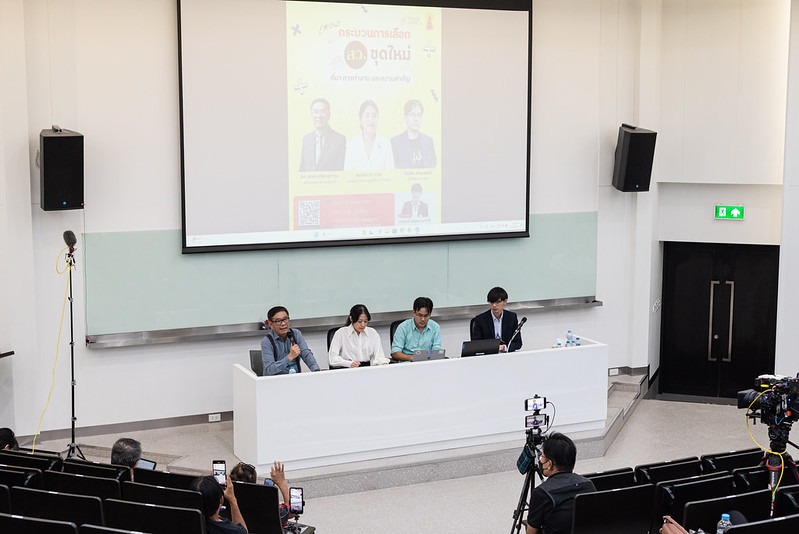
<point>734,213</point>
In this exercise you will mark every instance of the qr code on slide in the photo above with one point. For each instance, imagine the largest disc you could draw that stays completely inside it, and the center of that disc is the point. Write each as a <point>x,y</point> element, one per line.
<point>308,212</point>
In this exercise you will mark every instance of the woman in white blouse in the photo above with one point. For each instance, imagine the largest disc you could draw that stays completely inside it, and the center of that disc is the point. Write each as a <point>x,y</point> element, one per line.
<point>356,344</point>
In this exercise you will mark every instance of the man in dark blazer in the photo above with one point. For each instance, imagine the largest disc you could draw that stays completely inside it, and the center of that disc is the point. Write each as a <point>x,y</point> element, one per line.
<point>412,149</point>
<point>323,149</point>
<point>483,325</point>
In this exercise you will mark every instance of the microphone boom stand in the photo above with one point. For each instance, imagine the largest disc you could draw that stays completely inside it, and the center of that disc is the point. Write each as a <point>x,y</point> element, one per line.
<point>73,450</point>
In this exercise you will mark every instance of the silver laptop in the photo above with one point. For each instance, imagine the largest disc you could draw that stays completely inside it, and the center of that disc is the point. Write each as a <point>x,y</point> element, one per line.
<point>423,355</point>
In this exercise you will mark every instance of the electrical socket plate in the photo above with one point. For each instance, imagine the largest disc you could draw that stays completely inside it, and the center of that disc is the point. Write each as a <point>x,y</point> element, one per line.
<point>214,417</point>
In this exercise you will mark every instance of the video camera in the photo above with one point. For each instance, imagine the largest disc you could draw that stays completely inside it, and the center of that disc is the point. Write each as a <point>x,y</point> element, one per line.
<point>775,400</point>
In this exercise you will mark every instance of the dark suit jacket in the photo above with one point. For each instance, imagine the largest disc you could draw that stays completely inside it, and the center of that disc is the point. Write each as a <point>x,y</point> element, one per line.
<point>484,328</point>
<point>407,209</point>
<point>332,156</point>
<point>403,152</point>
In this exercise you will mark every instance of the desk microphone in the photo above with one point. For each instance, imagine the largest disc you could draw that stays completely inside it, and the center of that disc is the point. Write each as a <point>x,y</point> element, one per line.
<point>70,240</point>
<point>516,333</point>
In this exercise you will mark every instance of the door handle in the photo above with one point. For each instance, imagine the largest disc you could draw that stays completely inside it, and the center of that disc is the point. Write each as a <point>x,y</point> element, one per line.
<point>710,358</point>
<point>730,283</point>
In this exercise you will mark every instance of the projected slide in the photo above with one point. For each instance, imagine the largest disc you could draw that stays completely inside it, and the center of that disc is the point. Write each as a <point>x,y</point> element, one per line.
<point>314,123</point>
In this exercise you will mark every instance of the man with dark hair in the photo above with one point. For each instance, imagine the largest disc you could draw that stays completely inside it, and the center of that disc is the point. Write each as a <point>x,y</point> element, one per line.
<point>413,149</point>
<point>282,345</point>
<point>497,322</point>
<point>417,333</point>
<point>126,451</point>
<point>552,503</point>
<point>212,498</point>
<point>7,440</point>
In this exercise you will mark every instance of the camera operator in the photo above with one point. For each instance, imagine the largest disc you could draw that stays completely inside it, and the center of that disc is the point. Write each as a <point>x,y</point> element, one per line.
<point>552,502</point>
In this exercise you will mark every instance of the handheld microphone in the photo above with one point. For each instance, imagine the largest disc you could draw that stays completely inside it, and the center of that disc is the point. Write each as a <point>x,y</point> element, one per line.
<point>70,240</point>
<point>290,335</point>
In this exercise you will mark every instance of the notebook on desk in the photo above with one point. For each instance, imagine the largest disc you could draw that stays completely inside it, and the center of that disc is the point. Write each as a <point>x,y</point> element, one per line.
<point>480,347</point>
<point>423,355</point>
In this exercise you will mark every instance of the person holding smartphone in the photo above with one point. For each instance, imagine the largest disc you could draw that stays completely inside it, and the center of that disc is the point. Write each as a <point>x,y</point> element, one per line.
<point>277,478</point>
<point>213,496</point>
<point>356,344</point>
<point>283,345</point>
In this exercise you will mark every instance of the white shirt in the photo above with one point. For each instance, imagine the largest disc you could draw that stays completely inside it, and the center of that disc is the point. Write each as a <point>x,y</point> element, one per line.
<point>497,325</point>
<point>381,157</point>
<point>348,346</point>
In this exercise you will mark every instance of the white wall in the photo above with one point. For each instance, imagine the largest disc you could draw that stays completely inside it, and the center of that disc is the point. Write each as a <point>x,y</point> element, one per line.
<point>108,69</point>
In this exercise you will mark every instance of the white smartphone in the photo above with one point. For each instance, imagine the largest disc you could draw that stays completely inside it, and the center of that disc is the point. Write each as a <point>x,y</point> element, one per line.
<point>296,504</point>
<point>220,471</point>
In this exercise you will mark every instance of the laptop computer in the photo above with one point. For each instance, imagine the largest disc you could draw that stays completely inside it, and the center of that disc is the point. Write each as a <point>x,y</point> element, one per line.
<point>480,347</point>
<point>423,355</point>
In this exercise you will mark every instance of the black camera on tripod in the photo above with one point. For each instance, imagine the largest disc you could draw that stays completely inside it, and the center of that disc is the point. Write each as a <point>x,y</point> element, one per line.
<point>775,399</point>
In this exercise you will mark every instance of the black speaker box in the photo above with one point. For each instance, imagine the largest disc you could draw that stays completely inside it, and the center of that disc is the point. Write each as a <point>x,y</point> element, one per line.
<point>635,151</point>
<point>61,169</point>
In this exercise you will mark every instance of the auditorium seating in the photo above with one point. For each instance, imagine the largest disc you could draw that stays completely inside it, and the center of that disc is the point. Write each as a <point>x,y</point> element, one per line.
<point>259,505</point>
<point>163,478</point>
<point>616,479</point>
<point>786,501</point>
<point>95,529</point>
<point>671,496</point>
<point>37,461</point>
<point>77,509</point>
<point>29,525</point>
<point>5,502</point>
<point>256,362</point>
<point>616,511</point>
<point>750,478</point>
<point>776,525</point>
<point>146,493</point>
<point>730,460</point>
<point>658,472</point>
<point>152,518</point>
<point>105,488</point>
<point>16,476</point>
<point>704,514</point>
<point>96,469</point>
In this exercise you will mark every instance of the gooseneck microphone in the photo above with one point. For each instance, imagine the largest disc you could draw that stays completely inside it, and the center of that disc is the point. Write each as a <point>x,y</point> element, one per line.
<point>70,240</point>
<point>516,333</point>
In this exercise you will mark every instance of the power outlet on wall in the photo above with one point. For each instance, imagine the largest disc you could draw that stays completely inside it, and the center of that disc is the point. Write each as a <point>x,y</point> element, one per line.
<point>214,417</point>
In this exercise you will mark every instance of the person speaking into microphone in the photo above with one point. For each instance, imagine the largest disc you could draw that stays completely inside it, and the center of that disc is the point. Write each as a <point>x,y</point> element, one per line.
<point>283,345</point>
<point>497,322</point>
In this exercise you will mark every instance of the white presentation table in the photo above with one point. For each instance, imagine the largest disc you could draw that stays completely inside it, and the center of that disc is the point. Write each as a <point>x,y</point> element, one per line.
<point>330,417</point>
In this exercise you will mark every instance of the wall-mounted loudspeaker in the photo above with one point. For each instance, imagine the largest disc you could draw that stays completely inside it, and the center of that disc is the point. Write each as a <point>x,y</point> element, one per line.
<point>61,169</point>
<point>634,154</point>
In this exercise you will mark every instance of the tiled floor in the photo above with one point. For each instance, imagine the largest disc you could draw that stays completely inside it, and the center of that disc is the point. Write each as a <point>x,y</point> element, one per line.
<point>657,430</point>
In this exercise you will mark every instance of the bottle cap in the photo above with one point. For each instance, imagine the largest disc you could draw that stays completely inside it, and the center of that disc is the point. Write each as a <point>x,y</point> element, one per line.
<point>725,517</point>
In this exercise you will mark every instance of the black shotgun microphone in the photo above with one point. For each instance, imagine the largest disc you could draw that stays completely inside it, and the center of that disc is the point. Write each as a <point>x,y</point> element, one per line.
<point>516,333</point>
<point>70,240</point>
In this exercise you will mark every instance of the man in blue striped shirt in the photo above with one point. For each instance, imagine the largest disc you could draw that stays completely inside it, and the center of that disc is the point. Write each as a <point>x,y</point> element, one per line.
<point>417,333</point>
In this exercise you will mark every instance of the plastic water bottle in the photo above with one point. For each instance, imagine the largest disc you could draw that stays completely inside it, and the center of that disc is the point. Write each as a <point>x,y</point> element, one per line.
<point>724,524</point>
<point>292,369</point>
<point>569,338</point>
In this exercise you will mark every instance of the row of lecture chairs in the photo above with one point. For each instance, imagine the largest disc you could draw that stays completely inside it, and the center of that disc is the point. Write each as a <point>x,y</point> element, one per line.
<point>694,491</point>
<point>101,495</point>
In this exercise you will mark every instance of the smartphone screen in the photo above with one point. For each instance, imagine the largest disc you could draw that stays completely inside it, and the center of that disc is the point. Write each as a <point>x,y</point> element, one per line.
<point>534,421</point>
<point>220,469</point>
<point>295,495</point>
<point>536,403</point>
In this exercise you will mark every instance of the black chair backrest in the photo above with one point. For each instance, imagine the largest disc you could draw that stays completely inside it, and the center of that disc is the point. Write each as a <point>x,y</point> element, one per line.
<point>704,514</point>
<point>671,496</point>
<point>96,469</point>
<point>617,511</point>
<point>786,501</point>
<point>776,525</point>
<point>31,525</point>
<point>96,529</point>
<point>259,505</point>
<point>612,480</point>
<point>20,476</point>
<point>78,509</point>
<point>392,329</point>
<point>654,473</point>
<point>750,478</point>
<point>730,460</point>
<point>330,334</point>
<point>5,499</point>
<point>163,478</point>
<point>24,459</point>
<point>256,362</point>
<point>105,488</point>
<point>152,518</point>
<point>472,332</point>
<point>145,493</point>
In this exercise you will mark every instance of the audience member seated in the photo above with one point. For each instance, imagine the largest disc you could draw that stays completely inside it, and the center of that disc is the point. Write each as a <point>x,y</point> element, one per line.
<point>7,440</point>
<point>498,323</point>
<point>213,496</point>
<point>417,333</point>
<point>277,478</point>
<point>552,503</point>
<point>282,345</point>
<point>356,344</point>
<point>126,451</point>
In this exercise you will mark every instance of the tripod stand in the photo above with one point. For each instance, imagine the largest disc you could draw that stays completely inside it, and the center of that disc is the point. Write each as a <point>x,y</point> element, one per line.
<point>531,449</point>
<point>73,450</point>
<point>777,458</point>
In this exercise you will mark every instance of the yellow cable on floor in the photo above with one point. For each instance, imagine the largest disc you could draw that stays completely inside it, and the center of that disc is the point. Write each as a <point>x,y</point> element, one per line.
<point>765,449</point>
<point>69,266</point>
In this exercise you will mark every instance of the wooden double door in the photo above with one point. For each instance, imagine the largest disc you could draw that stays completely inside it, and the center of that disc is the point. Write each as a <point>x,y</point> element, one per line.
<point>719,317</point>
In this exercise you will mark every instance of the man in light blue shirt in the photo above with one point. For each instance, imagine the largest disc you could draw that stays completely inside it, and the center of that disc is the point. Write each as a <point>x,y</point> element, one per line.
<point>417,333</point>
<point>283,345</point>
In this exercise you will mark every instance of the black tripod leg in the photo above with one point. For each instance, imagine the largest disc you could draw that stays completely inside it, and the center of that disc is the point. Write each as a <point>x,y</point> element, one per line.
<point>518,514</point>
